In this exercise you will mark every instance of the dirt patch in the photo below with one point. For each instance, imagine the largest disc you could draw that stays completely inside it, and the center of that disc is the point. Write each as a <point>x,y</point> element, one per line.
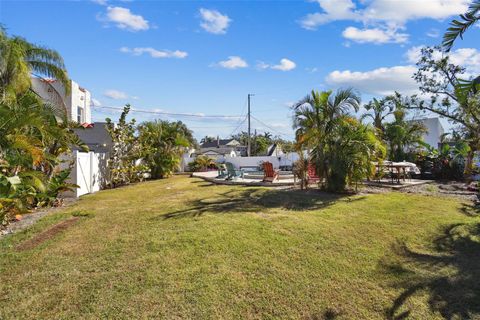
<point>47,234</point>
<point>31,218</point>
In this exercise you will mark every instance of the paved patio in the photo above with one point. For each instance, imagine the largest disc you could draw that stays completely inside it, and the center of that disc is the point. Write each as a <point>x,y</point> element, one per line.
<point>249,180</point>
<point>387,183</point>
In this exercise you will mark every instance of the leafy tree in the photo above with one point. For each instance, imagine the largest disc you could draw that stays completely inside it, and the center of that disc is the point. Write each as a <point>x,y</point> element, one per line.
<point>163,144</point>
<point>207,139</point>
<point>126,151</point>
<point>259,142</point>
<point>442,81</point>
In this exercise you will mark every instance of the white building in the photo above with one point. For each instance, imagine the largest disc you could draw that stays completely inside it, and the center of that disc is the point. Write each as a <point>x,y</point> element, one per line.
<point>435,131</point>
<point>77,103</point>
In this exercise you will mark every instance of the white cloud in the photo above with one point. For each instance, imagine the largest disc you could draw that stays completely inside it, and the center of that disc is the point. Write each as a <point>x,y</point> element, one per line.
<point>284,65</point>
<point>396,12</point>
<point>375,35</point>
<point>433,33</point>
<point>233,62</point>
<point>381,18</point>
<point>333,10</point>
<point>115,94</point>
<point>124,19</point>
<point>100,2</point>
<point>381,81</point>
<point>384,81</point>
<point>96,103</point>
<point>154,53</point>
<point>214,22</point>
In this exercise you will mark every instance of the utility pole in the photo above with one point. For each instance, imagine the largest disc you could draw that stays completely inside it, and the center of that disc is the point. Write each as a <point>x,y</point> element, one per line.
<point>249,128</point>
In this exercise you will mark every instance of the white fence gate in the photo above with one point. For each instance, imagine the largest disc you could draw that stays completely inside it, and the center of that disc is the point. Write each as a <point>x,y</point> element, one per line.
<point>90,172</point>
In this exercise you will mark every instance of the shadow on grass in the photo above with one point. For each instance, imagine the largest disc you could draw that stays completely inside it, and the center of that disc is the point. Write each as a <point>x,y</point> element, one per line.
<point>470,210</point>
<point>253,199</point>
<point>450,277</point>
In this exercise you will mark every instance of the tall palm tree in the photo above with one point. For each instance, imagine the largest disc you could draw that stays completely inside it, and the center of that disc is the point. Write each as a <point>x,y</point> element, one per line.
<point>164,143</point>
<point>380,109</point>
<point>459,27</point>
<point>19,59</point>
<point>317,118</point>
<point>401,134</point>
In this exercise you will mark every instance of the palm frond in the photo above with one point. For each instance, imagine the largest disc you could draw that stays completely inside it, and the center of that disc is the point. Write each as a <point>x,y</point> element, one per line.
<point>458,27</point>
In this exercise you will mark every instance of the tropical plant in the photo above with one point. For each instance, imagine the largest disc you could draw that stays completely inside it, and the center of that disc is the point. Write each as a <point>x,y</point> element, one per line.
<point>19,59</point>
<point>32,139</point>
<point>202,163</point>
<point>353,151</point>
<point>300,170</point>
<point>124,166</point>
<point>451,96</point>
<point>379,110</point>
<point>401,135</point>
<point>57,184</point>
<point>341,148</point>
<point>447,161</point>
<point>163,145</point>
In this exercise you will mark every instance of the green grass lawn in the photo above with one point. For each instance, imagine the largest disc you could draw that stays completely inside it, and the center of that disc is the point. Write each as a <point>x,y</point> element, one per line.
<point>182,248</point>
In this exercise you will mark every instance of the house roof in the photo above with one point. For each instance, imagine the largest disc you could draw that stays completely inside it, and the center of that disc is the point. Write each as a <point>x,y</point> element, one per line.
<point>221,151</point>
<point>216,143</point>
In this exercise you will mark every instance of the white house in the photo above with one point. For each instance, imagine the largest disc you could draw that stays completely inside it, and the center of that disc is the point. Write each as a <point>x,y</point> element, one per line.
<point>77,103</point>
<point>435,131</point>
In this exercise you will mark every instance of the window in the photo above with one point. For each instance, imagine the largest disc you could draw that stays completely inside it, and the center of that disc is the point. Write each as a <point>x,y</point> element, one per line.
<point>80,116</point>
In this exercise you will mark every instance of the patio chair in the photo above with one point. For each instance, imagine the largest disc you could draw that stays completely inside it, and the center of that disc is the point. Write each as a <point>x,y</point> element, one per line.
<point>312,176</point>
<point>222,171</point>
<point>269,174</point>
<point>233,173</point>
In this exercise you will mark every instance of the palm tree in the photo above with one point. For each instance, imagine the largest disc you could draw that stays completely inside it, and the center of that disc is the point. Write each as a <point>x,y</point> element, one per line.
<point>459,27</point>
<point>318,120</point>
<point>401,134</point>
<point>164,143</point>
<point>19,59</point>
<point>32,136</point>
<point>381,109</point>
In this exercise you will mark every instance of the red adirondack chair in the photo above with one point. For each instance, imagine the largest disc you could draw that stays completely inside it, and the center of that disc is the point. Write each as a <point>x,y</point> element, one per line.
<point>312,174</point>
<point>269,174</point>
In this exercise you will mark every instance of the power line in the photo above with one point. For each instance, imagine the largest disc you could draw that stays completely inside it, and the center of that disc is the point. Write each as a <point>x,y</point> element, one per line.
<point>239,125</point>
<point>172,113</point>
<point>275,130</point>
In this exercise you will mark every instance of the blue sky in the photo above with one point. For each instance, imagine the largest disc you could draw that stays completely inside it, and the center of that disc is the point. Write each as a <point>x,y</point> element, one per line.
<point>203,58</point>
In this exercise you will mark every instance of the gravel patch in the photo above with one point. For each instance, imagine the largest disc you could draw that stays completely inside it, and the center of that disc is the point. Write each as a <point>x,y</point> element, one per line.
<point>451,189</point>
<point>29,219</point>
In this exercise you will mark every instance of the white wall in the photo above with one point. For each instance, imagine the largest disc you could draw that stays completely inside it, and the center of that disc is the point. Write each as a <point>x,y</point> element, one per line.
<point>435,130</point>
<point>285,160</point>
<point>251,161</point>
<point>78,97</point>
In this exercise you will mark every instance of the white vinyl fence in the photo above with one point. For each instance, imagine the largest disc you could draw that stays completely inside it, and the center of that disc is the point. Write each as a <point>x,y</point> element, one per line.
<point>90,172</point>
<point>282,160</point>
